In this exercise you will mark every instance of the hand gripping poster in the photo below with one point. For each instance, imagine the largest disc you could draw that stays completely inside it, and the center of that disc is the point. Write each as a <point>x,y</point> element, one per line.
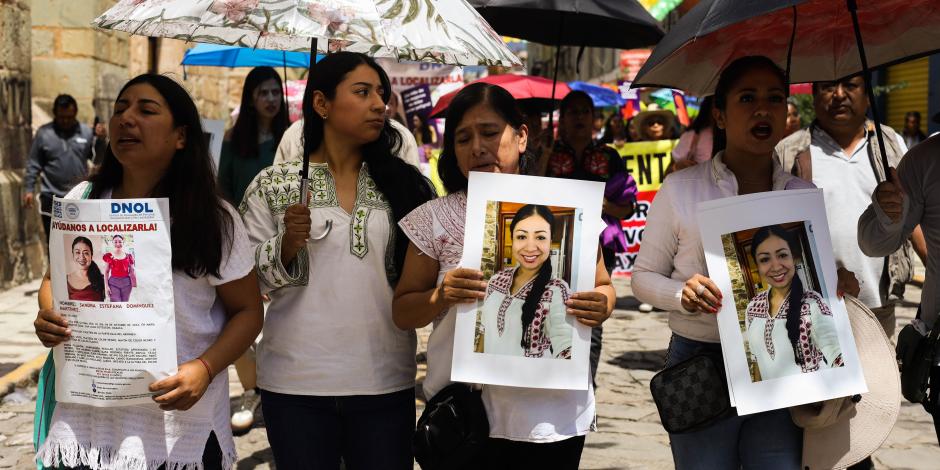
<point>112,281</point>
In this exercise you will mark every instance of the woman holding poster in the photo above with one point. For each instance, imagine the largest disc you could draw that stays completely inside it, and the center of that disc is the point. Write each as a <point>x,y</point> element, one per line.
<point>524,308</point>
<point>157,150</point>
<point>527,427</point>
<point>790,329</point>
<point>86,282</point>
<point>336,377</point>
<point>750,111</point>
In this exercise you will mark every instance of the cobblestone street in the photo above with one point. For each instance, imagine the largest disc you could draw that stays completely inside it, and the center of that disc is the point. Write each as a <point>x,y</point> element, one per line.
<point>629,434</point>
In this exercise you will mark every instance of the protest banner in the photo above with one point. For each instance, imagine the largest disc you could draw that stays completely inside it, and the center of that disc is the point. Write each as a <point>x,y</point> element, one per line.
<point>416,102</point>
<point>441,79</point>
<point>526,224</point>
<point>647,162</point>
<point>112,280</point>
<point>768,246</point>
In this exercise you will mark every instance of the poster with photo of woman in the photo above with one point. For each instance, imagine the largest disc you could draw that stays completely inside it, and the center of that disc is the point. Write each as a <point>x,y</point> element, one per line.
<point>535,240</point>
<point>785,335</point>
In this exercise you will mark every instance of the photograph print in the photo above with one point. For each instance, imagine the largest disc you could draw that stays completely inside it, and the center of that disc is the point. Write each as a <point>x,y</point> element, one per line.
<point>536,242</point>
<point>785,334</point>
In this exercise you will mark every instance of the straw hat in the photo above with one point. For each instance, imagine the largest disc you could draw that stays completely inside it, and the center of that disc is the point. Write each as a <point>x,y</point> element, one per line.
<point>839,433</point>
<point>653,110</point>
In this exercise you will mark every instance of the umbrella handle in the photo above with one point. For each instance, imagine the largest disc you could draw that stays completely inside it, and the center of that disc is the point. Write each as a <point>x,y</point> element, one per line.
<point>304,190</point>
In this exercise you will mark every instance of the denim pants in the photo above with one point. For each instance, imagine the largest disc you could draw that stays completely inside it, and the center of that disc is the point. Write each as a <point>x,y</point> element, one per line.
<point>764,441</point>
<point>368,432</point>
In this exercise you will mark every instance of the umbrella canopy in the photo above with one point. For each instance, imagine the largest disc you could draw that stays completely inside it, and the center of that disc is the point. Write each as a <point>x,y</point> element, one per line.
<point>716,32</point>
<point>442,31</point>
<point>603,97</point>
<point>214,55</point>
<point>532,90</point>
<point>619,24</point>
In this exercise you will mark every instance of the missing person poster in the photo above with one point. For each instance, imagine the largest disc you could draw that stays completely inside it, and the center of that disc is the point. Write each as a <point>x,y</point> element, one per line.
<point>112,280</point>
<point>535,239</point>
<point>785,334</point>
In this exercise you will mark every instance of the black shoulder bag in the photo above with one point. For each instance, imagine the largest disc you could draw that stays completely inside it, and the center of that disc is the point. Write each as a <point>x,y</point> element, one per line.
<point>453,429</point>
<point>692,394</point>
<point>916,356</point>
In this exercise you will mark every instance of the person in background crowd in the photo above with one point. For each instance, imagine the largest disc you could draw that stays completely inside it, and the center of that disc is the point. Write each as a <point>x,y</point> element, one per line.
<point>750,110</point>
<point>423,132</point>
<point>615,132</point>
<point>910,200</point>
<point>538,137</point>
<point>839,153</point>
<point>529,428</point>
<point>247,149</point>
<point>100,130</point>
<point>158,150</point>
<point>656,124</point>
<point>395,110</point>
<point>59,156</point>
<point>912,133</point>
<point>598,127</point>
<point>696,143</point>
<point>250,144</point>
<point>794,122</point>
<point>336,376</point>
<point>576,156</point>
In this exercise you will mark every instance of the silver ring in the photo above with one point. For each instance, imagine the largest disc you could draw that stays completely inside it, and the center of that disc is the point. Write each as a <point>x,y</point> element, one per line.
<point>700,289</point>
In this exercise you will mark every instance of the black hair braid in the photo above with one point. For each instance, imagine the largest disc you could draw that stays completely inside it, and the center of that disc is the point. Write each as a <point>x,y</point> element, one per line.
<point>532,299</point>
<point>795,299</point>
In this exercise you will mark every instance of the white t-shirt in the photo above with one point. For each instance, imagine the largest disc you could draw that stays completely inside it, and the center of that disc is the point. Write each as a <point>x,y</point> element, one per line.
<point>143,436</point>
<point>328,329</point>
<point>436,228</point>
<point>847,182</point>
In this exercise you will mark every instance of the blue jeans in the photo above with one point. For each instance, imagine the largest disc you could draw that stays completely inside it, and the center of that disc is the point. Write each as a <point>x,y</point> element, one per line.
<point>765,441</point>
<point>369,432</point>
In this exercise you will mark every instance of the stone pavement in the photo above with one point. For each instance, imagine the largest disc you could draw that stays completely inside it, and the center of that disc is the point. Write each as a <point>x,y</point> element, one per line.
<point>629,434</point>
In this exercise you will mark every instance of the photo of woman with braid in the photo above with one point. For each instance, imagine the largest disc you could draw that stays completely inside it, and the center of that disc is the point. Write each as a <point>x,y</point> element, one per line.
<point>789,328</point>
<point>86,282</point>
<point>523,313</point>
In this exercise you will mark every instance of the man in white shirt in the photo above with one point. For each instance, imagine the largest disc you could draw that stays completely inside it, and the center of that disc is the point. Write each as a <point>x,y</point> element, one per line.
<point>839,153</point>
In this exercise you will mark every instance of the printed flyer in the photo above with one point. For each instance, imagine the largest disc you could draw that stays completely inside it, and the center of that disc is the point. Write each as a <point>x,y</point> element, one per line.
<point>110,264</point>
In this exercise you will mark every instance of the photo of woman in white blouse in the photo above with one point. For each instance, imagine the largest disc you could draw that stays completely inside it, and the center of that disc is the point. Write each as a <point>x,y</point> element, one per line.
<point>790,330</point>
<point>523,313</point>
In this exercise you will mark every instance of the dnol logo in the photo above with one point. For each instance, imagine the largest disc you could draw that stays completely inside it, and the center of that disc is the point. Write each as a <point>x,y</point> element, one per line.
<point>71,211</point>
<point>131,208</point>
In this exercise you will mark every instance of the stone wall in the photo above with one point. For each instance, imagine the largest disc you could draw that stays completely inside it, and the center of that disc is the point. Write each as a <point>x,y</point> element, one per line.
<point>22,248</point>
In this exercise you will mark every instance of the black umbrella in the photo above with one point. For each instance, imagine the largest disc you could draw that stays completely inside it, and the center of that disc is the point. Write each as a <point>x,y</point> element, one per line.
<point>619,24</point>
<point>814,40</point>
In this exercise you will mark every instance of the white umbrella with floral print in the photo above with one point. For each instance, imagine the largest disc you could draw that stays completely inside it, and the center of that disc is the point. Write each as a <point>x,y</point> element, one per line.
<point>443,31</point>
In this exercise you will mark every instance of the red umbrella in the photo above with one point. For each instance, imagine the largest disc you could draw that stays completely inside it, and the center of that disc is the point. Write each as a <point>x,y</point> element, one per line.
<point>533,90</point>
<point>801,88</point>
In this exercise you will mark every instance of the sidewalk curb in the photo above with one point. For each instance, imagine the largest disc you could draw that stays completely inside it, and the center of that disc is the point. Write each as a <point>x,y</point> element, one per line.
<point>22,375</point>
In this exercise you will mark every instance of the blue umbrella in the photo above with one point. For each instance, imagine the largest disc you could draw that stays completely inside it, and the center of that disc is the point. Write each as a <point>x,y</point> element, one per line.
<point>232,56</point>
<point>603,97</point>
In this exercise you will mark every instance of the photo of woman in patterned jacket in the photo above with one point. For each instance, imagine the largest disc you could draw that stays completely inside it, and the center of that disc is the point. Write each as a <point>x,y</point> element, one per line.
<point>523,313</point>
<point>790,330</point>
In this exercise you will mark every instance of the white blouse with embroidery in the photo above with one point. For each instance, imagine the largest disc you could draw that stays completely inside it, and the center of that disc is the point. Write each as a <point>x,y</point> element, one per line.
<point>436,228</point>
<point>328,329</point>
<point>549,334</point>
<point>143,436</point>
<point>771,347</point>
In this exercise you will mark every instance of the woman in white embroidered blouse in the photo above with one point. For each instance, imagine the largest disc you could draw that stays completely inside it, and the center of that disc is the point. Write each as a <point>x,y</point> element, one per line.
<point>790,330</point>
<point>528,427</point>
<point>157,150</point>
<point>524,310</point>
<point>336,376</point>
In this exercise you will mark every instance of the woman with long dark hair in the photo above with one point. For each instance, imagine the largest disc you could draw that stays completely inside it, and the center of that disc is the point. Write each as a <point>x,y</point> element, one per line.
<point>524,308</point>
<point>250,144</point>
<point>157,149</point>
<point>336,376</point>
<point>86,282</point>
<point>790,329</point>
<point>528,427</point>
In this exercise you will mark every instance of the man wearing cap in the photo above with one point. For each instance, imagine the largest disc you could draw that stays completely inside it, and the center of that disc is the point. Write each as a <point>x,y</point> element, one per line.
<point>839,153</point>
<point>59,156</point>
<point>891,218</point>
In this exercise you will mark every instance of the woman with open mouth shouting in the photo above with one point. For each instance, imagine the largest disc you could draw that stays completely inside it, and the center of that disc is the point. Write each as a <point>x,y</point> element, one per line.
<point>802,336</point>
<point>750,112</point>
